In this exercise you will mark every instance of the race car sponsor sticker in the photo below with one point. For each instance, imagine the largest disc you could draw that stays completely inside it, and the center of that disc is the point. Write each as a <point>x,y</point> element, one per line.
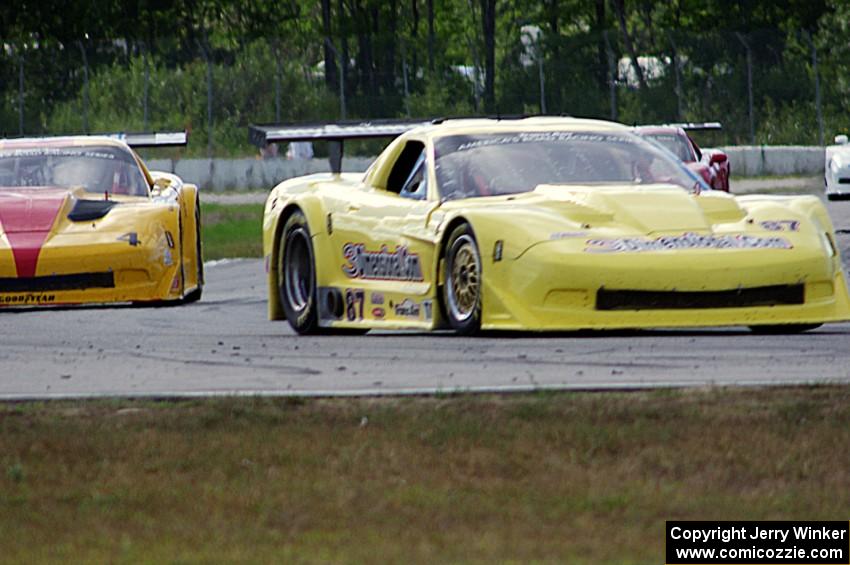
<point>378,313</point>
<point>398,265</point>
<point>544,136</point>
<point>567,234</point>
<point>26,299</point>
<point>130,237</point>
<point>428,307</point>
<point>377,298</point>
<point>781,225</point>
<point>57,152</point>
<point>685,241</point>
<point>354,299</point>
<point>408,309</point>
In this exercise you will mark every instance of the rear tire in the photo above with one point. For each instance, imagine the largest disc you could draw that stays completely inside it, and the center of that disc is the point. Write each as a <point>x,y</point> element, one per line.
<point>780,329</point>
<point>463,282</point>
<point>296,275</point>
<point>195,295</point>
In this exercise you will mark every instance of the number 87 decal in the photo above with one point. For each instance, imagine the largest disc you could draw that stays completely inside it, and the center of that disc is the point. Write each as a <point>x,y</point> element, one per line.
<point>354,299</point>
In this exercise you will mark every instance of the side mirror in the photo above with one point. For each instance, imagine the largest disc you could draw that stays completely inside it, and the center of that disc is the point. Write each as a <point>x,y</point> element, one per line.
<point>161,183</point>
<point>841,139</point>
<point>164,181</point>
<point>717,158</point>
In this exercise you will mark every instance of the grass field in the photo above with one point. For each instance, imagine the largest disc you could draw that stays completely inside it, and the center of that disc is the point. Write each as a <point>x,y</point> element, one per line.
<point>231,230</point>
<point>550,478</point>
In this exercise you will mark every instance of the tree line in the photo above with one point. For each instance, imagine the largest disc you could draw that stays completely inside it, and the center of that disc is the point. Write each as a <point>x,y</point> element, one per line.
<point>774,71</point>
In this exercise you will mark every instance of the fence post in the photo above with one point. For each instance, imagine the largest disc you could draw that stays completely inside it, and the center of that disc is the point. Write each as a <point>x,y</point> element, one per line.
<point>749,86</point>
<point>21,92</point>
<point>147,86</point>
<point>406,87</point>
<point>678,74</point>
<point>818,107</point>
<point>612,76</point>
<point>204,47</point>
<point>539,52</point>
<point>341,78</point>
<point>85,87</point>
<point>277,73</point>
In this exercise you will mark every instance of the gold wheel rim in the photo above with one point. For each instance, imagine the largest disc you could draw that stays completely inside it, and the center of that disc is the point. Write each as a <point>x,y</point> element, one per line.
<point>464,279</point>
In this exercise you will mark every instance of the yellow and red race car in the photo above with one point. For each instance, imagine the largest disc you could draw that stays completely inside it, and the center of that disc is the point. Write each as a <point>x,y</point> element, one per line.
<point>537,224</point>
<point>83,221</point>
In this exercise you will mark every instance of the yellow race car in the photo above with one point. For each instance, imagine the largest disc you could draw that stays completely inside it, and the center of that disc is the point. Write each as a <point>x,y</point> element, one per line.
<point>536,224</point>
<point>82,220</point>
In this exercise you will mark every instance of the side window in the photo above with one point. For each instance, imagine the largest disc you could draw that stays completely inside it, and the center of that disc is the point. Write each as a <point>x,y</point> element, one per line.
<point>416,185</point>
<point>404,166</point>
<point>696,148</point>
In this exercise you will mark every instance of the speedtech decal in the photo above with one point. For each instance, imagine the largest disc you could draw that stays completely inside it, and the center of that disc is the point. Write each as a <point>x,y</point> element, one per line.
<point>398,265</point>
<point>685,241</point>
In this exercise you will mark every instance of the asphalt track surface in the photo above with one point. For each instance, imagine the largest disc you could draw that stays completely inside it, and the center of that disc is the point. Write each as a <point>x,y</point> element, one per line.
<point>224,345</point>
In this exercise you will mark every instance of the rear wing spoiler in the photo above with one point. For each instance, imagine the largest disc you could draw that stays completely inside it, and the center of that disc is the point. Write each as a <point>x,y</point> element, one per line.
<point>697,126</point>
<point>335,134</point>
<point>155,139</point>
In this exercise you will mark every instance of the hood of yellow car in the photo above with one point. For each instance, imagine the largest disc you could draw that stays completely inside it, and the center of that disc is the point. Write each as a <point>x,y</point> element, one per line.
<point>30,216</point>
<point>644,209</point>
<point>595,213</point>
<point>26,217</point>
<point>636,209</point>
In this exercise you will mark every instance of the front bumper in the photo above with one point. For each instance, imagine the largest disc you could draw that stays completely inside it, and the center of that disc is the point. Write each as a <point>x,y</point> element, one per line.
<point>86,270</point>
<point>556,286</point>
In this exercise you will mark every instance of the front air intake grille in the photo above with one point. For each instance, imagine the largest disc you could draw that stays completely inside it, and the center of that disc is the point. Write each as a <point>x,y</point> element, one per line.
<point>80,281</point>
<point>683,300</point>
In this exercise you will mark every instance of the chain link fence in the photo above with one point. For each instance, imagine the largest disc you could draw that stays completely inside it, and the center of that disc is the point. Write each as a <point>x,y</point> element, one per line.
<point>766,87</point>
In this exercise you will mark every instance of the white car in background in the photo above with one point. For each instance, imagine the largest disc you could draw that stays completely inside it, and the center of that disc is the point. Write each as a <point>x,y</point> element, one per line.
<point>837,169</point>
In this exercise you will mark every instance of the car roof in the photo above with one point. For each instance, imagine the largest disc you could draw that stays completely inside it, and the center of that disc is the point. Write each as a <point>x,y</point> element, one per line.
<point>532,124</point>
<point>66,141</point>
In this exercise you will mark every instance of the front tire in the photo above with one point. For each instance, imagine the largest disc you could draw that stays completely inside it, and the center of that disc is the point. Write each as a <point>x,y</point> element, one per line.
<point>296,275</point>
<point>463,282</point>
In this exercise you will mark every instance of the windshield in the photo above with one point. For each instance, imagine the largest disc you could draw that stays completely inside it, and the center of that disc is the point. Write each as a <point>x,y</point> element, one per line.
<point>674,143</point>
<point>102,169</point>
<point>469,166</point>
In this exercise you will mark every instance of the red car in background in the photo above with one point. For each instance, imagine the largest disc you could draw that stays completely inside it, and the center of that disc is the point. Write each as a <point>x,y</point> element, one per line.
<point>710,164</point>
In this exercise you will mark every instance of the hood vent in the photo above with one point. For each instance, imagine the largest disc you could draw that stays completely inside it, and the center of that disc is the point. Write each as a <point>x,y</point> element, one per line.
<point>87,210</point>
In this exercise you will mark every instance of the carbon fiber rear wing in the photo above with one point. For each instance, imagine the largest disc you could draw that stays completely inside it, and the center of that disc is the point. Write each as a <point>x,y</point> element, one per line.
<point>335,134</point>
